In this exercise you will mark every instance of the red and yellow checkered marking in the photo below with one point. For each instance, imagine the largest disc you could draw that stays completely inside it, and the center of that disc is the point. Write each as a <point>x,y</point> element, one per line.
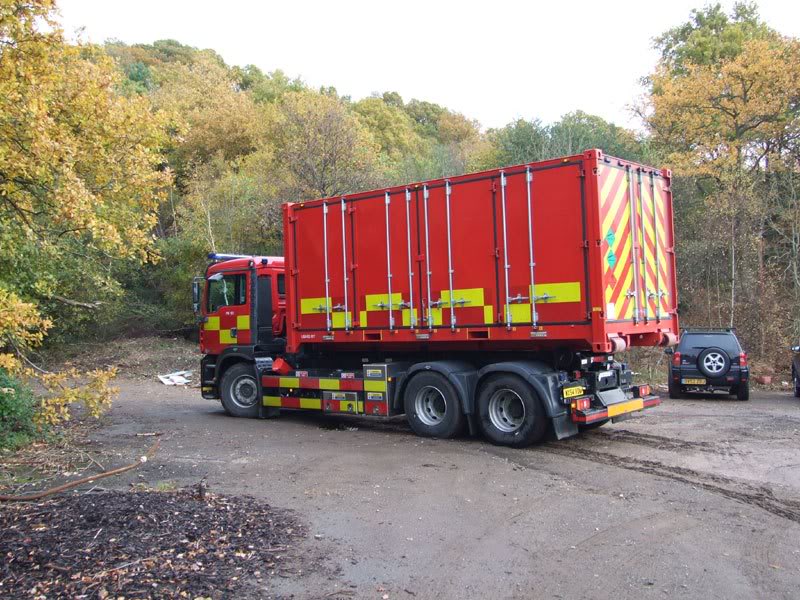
<point>619,242</point>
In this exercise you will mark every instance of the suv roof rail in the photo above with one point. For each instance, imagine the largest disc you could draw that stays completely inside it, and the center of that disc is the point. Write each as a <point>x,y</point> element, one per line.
<point>708,330</point>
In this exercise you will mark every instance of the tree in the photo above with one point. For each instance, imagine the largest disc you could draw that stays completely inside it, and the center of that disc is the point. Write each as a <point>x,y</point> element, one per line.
<point>323,146</point>
<point>723,109</point>
<point>80,180</point>
<point>711,37</point>
<point>390,126</point>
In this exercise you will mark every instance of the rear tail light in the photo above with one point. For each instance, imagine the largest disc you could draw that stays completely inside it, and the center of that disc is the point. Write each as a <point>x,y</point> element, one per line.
<point>743,359</point>
<point>582,404</point>
<point>644,390</point>
<point>676,359</point>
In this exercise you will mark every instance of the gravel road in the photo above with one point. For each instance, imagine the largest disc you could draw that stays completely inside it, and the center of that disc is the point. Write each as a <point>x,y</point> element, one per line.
<point>697,498</point>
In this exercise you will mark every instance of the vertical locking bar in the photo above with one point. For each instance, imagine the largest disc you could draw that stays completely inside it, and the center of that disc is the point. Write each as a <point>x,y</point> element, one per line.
<point>411,317</point>
<point>634,245</point>
<point>427,259</point>
<point>655,236</point>
<point>531,263</point>
<point>389,264</point>
<point>506,265</point>
<point>346,279</point>
<point>327,280</point>
<point>450,257</point>
<point>643,257</point>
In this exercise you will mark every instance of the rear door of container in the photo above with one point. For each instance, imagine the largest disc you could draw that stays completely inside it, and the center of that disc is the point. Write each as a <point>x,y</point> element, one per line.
<point>636,229</point>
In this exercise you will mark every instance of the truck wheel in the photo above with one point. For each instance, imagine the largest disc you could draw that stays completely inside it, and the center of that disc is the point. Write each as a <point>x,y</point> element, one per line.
<point>509,412</point>
<point>432,406</point>
<point>239,391</point>
<point>743,391</point>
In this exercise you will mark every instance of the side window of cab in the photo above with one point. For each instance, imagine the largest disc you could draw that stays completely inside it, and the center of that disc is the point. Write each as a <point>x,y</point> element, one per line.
<point>228,290</point>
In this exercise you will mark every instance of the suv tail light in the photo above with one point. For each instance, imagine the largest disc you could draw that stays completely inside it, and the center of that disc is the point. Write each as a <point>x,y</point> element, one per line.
<point>743,359</point>
<point>676,359</point>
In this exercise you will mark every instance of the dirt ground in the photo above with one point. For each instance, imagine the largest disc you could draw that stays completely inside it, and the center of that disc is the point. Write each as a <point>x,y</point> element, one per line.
<point>696,498</point>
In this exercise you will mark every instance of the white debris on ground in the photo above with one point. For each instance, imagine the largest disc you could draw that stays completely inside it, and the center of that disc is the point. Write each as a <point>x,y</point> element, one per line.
<point>176,378</point>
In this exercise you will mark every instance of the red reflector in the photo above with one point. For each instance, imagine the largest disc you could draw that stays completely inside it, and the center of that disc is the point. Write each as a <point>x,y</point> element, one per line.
<point>644,390</point>
<point>281,366</point>
<point>676,359</point>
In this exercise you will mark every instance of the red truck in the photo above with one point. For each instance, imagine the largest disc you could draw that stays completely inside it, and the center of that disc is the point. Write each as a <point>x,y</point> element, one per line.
<point>496,302</point>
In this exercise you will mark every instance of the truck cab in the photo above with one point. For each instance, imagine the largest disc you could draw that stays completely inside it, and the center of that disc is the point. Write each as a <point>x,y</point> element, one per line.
<point>241,308</point>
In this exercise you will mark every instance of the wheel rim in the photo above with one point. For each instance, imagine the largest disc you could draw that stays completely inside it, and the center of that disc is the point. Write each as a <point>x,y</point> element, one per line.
<point>506,410</point>
<point>430,405</point>
<point>244,391</point>
<point>714,362</point>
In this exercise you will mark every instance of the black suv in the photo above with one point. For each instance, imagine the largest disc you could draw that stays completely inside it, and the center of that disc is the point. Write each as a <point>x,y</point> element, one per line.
<point>707,360</point>
<point>796,371</point>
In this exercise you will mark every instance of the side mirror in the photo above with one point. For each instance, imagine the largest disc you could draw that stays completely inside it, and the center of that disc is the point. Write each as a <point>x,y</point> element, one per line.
<point>197,283</point>
<point>669,350</point>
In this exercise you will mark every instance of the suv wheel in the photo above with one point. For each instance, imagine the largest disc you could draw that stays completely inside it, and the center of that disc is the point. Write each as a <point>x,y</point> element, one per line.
<point>796,380</point>
<point>743,391</point>
<point>674,389</point>
<point>713,362</point>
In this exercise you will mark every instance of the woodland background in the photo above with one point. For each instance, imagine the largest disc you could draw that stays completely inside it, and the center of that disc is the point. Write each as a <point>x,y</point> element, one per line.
<point>121,166</point>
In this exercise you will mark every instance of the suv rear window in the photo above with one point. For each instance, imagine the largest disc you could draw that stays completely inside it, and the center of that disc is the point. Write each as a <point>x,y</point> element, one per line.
<point>725,341</point>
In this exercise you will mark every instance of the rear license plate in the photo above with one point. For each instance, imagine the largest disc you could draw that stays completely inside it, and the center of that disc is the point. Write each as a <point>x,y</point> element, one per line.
<point>690,381</point>
<point>572,392</point>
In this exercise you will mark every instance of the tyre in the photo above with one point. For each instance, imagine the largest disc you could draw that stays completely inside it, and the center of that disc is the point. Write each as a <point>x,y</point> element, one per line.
<point>239,391</point>
<point>510,412</point>
<point>743,391</point>
<point>432,406</point>
<point>713,362</point>
<point>796,380</point>
<point>674,389</point>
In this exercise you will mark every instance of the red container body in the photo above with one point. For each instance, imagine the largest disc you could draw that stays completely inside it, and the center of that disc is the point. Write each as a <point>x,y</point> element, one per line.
<point>574,253</point>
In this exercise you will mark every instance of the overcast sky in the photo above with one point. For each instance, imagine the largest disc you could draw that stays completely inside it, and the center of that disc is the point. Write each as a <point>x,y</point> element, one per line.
<point>493,61</point>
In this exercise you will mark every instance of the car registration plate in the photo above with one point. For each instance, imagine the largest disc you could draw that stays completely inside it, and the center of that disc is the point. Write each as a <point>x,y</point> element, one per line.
<point>690,381</point>
<point>572,392</point>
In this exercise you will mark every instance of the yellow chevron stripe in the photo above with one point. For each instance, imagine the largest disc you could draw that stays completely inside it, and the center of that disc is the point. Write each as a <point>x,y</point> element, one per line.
<point>614,207</point>
<point>611,178</point>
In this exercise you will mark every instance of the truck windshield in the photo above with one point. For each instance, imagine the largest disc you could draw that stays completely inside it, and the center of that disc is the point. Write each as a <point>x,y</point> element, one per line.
<point>230,290</point>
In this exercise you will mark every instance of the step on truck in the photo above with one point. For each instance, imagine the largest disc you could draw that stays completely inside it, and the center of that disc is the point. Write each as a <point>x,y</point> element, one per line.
<point>496,302</point>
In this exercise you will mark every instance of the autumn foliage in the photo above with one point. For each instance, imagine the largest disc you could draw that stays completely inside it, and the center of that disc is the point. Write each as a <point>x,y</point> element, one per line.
<point>122,165</point>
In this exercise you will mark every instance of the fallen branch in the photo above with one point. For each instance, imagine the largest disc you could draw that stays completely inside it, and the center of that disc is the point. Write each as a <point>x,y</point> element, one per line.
<point>77,482</point>
<point>71,302</point>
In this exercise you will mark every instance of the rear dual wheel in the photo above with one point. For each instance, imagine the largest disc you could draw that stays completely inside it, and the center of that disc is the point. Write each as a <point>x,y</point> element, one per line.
<point>433,407</point>
<point>509,412</point>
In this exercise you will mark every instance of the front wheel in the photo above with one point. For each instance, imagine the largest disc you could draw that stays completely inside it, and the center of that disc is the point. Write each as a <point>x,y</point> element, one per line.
<point>239,391</point>
<point>509,412</point>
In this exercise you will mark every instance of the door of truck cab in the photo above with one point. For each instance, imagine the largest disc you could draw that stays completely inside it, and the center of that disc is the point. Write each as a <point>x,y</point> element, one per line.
<point>227,311</point>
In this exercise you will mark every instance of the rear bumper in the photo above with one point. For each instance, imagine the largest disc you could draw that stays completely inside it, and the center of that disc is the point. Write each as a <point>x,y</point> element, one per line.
<point>613,411</point>
<point>733,377</point>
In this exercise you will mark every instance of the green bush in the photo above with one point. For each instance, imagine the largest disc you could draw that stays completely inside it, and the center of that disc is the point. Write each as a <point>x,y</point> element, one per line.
<point>17,406</point>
